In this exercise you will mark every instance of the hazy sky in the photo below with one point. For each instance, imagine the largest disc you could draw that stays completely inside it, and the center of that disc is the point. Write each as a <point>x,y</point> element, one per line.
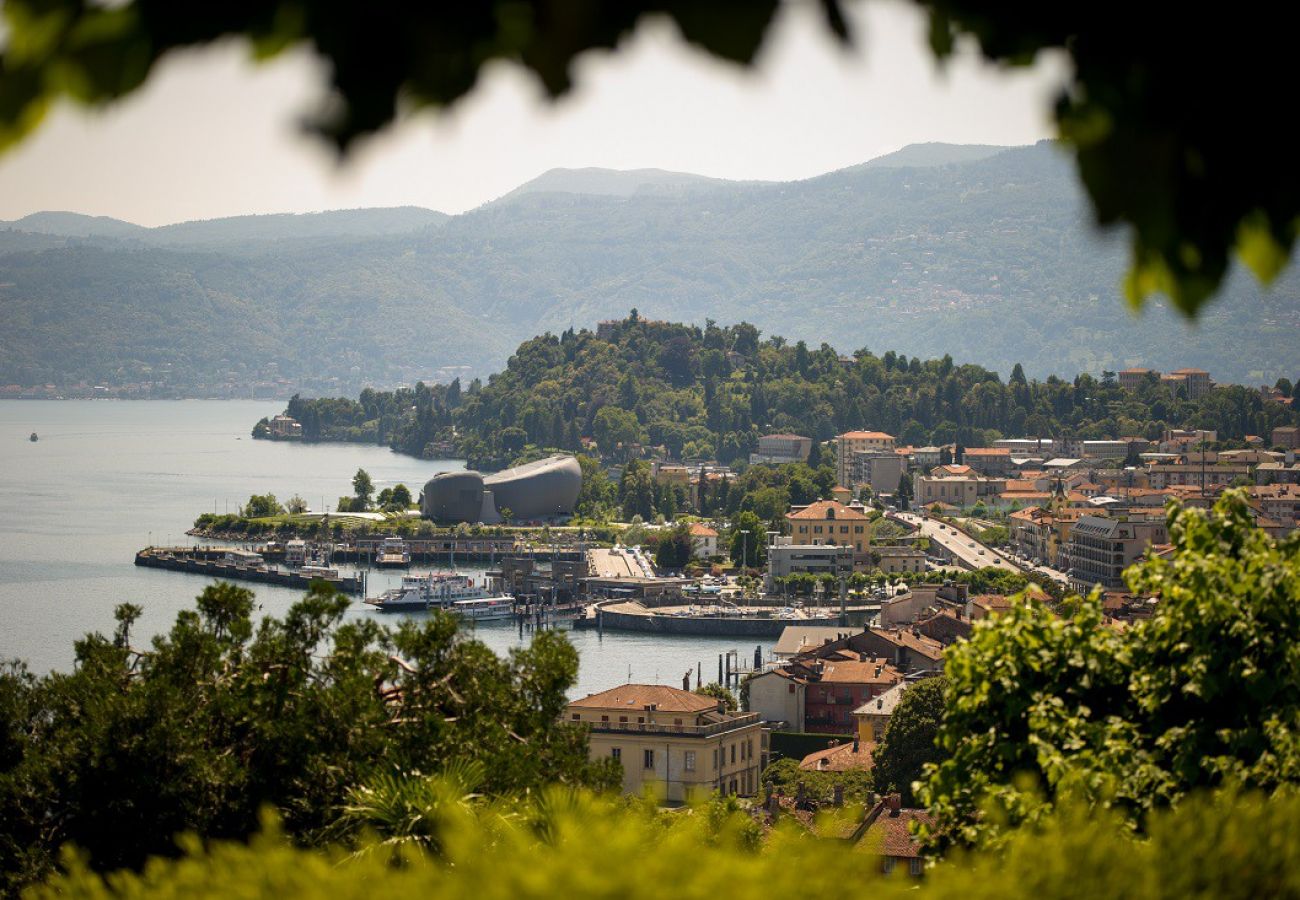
<point>214,134</point>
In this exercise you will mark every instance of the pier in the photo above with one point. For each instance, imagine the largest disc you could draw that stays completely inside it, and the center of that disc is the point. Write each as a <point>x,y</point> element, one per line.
<point>218,562</point>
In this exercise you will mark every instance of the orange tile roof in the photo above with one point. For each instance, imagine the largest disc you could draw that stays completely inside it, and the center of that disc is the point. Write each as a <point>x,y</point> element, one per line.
<point>698,530</point>
<point>841,758</point>
<point>988,451</point>
<point>891,833</point>
<point>858,672</point>
<point>639,696</point>
<point>819,509</point>
<point>868,435</point>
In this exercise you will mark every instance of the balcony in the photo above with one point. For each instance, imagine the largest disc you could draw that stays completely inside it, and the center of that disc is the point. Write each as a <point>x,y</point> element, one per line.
<point>735,723</point>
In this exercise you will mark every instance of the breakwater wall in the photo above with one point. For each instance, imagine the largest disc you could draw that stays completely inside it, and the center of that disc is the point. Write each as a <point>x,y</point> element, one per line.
<point>206,561</point>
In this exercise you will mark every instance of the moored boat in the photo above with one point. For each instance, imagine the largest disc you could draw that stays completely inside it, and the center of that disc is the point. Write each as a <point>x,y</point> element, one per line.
<point>437,590</point>
<point>392,553</point>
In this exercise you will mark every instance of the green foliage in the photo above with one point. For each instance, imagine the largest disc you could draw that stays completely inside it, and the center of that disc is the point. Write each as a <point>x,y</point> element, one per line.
<point>717,691</point>
<point>1205,693</point>
<point>673,549</point>
<point>748,542</point>
<point>362,489</point>
<point>908,743</point>
<point>1220,847</point>
<point>221,716</point>
<point>786,776</point>
<point>260,506</point>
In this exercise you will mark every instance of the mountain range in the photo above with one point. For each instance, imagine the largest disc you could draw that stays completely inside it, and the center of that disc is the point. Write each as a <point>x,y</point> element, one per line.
<point>985,253</point>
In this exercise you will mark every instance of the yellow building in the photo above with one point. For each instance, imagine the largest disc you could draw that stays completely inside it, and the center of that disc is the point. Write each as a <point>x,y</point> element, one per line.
<point>851,442</point>
<point>831,522</point>
<point>681,745</point>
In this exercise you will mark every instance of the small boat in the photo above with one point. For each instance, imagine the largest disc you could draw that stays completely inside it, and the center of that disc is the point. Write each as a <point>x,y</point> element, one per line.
<point>485,608</point>
<point>34,438</point>
<point>392,553</point>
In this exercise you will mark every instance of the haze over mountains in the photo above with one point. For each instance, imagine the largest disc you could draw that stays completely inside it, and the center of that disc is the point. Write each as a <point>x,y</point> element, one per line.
<point>982,252</point>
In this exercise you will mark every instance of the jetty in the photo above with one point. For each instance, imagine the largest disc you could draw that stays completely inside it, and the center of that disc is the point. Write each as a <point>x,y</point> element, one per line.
<point>242,565</point>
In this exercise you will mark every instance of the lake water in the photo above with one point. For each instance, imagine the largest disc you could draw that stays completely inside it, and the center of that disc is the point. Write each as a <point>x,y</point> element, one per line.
<point>109,477</point>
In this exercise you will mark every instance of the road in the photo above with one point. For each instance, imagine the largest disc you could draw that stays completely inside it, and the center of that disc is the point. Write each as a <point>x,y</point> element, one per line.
<point>965,550</point>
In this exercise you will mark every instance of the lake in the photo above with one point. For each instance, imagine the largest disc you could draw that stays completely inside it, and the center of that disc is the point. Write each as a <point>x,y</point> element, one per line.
<point>109,477</point>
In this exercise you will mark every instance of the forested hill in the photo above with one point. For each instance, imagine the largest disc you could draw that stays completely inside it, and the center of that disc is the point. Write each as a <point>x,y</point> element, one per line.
<point>710,392</point>
<point>982,253</point>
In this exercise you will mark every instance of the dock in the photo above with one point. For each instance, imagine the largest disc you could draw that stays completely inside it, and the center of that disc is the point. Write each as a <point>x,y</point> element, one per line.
<point>215,563</point>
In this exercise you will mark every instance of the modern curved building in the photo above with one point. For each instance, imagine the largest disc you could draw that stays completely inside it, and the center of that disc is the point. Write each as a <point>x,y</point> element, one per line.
<point>545,489</point>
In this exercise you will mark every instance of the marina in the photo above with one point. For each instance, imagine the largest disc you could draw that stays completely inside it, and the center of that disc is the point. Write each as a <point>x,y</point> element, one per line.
<point>244,565</point>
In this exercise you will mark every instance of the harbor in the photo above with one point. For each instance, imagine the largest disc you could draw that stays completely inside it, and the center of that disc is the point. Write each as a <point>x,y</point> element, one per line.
<point>244,565</point>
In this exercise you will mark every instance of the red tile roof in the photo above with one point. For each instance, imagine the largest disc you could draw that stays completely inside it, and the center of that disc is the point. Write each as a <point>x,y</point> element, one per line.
<point>819,509</point>
<point>639,696</point>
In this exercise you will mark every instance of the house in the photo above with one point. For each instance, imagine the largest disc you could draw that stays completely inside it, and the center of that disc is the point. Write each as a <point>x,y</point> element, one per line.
<point>784,557</point>
<point>857,442</point>
<point>798,639</point>
<point>988,460</point>
<point>955,485</point>
<point>704,540</point>
<point>1287,437</point>
<point>285,427</point>
<point>831,522</point>
<point>682,745</point>
<point>880,470</point>
<point>816,693</point>
<point>886,834</point>
<point>840,757</point>
<point>873,716</point>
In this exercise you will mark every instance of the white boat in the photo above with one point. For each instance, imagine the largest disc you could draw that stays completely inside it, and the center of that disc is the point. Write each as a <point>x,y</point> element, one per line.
<point>435,590</point>
<point>485,608</point>
<point>392,552</point>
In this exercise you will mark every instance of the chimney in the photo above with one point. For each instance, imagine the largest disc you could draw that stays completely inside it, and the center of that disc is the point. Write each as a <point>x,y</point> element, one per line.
<point>894,803</point>
<point>799,795</point>
<point>855,745</point>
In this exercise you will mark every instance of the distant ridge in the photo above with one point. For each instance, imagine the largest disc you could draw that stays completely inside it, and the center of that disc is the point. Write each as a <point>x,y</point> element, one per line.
<point>359,223</point>
<point>614,183</point>
<point>71,224</point>
<point>924,156</point>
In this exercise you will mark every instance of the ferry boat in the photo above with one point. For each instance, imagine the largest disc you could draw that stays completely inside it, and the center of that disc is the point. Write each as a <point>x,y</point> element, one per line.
<point>439,590</point>
<point>485,608</point>
<point>392,553</point>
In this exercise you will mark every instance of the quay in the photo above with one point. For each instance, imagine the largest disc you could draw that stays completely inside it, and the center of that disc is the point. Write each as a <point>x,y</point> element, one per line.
<point>235,565</point>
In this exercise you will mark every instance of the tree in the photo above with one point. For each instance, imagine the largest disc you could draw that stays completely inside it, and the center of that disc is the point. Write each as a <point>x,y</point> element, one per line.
<point>908,743</point>
<point>615,428</point>
<point>674,548</point>
<point>401,497</point>
<point>261,506</point>
<point>747,540</point>
<point>1203,694</point>
<point>217,720</point>
<point>507,514</point>
<point>718,692</point>
<point>296,505</point>
<point>362,488</point>
<point>903,496</point>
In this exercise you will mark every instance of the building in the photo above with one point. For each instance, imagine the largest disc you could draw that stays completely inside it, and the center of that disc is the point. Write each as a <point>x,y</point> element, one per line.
<point>873,716</point>
<point>285,427</point>
<point>545,489</point>
<point>1277,473</point>
<point>886,834</point>
<point>704,540</point>
<point>1132,379</point>
<point>955,485</point>
<point>877,470</point>
<point>1195,383</point>
<point>926,458</point>
<point>796,640</point>
<point>1287,437</point>
<point>900,559</point>
<point>1101,548</point>
<point>680,744</point>
<point>846,757</point>
<point>818,694</point>
<point>852,442</point>
<point>782,448</point>
<point>1105,449</point>
<point>988,460</point>
<point>1278,502</point>
<point>831,522</point>
<point>671,473</point>
<point>784,557</point>
<point>1198,474</point>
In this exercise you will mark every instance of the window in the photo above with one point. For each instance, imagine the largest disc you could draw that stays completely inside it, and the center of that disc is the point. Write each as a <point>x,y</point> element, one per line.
<point>857,529</point>
<point>677,721</point>
<point>715,757</point>
<point>617,754</point>
<point>649,761</point>
<point>690,760</point>
<point>640,720</point>
<point>915,866</point>
<point>622,718</point>
<point>791,690</point>
<point>733,754</point>
<point>578,718</point>
<point>844,529</point>
<point>751,748</point>
<point>604,718</point>
<point>887,864</point>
